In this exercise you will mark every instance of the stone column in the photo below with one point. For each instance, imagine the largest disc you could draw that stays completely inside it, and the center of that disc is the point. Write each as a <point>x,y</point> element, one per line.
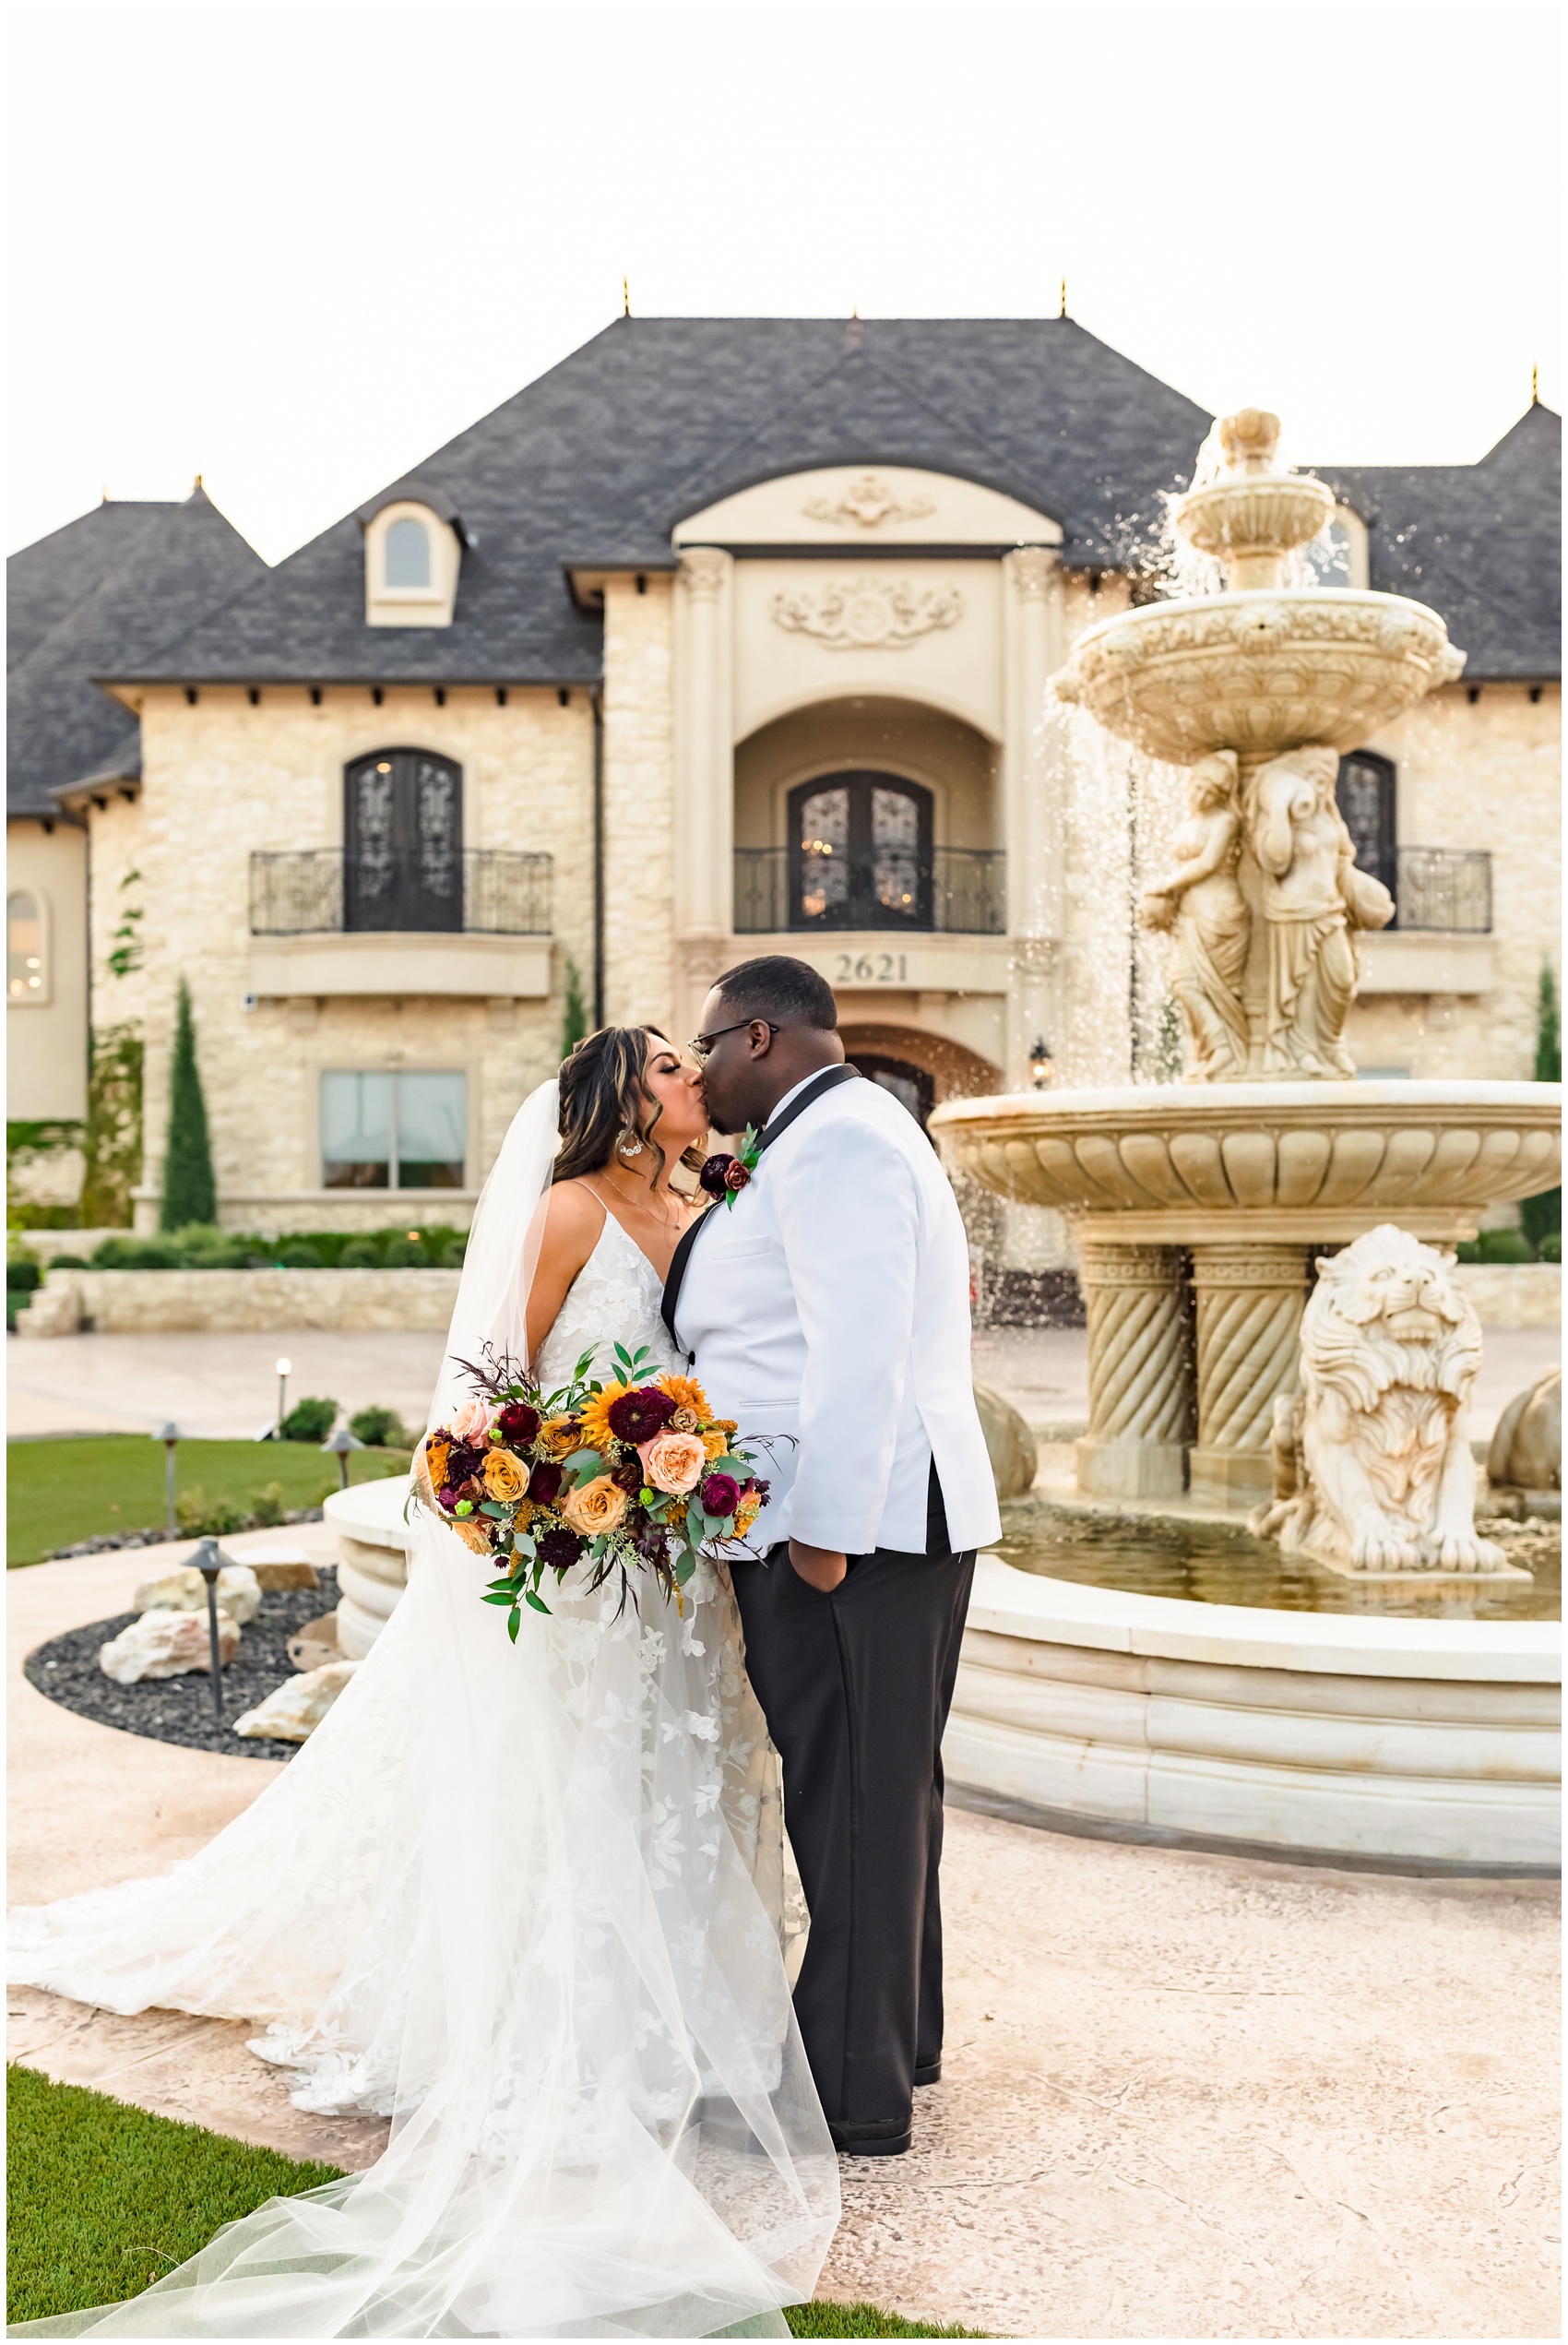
<point>1140,1370</point>
<point>1250,1299</point>
<point>705,785</point>
<point>1034,832</point>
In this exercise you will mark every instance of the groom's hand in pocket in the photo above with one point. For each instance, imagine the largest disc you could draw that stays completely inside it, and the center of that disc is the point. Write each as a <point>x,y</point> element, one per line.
<point>820,1567</point>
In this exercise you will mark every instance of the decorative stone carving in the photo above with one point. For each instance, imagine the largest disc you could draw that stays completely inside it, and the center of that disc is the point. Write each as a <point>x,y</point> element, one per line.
<point>704,569</point>
<point>868,615</point>
<point>869,503</point>
<point>1526,1448</point>
<point>1372,1468</point>
<point>1032,571</point>
<point>1201,903</point>
<point>1250,1299</point>
<point>294,1710</point>
<point>1313,898</point>
<point>166,1644</point>
<point>1140,1372</point>
<point>1253,515</point>
<point>239,1593</point>
<point>1009,1444</point>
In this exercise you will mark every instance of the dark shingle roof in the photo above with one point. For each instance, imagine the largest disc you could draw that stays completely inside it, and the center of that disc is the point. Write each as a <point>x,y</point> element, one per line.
<point>596,461</point>
<point>1481,542</point>
<point>98,596</point>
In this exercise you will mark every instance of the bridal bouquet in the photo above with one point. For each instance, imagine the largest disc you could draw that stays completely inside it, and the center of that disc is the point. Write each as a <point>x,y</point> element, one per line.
<point>635,1476</point>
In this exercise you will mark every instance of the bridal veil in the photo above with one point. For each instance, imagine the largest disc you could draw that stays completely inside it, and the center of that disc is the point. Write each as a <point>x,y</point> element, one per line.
<point>525,1901</point>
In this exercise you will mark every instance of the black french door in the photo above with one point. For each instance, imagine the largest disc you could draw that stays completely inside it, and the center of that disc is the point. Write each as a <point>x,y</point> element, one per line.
<point>403,841</point>
<point>861,852</point>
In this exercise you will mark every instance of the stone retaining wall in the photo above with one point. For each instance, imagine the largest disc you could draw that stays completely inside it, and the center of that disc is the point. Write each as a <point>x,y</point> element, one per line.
<point>1514,1294</point>
<point>238,1302</point>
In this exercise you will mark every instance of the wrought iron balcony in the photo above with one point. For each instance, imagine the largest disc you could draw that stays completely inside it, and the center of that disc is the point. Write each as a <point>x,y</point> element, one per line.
<point>325,891</point>
<point>954,890</point>
<point>1434,888</point>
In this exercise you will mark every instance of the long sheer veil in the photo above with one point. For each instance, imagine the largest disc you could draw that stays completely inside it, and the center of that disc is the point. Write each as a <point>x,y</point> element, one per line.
<point>505,1895</point>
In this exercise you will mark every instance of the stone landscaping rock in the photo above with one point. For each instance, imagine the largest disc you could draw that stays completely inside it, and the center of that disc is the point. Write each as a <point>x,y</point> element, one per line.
<point>165,1644</point>
<point>299,1705</point>
<point>316,1644</point>
<point>271,1579</point>
<point>239,1592</point>
<point>1011,1446</point>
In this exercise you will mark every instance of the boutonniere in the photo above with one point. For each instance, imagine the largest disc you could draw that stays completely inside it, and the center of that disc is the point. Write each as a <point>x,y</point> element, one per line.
<point>724,1176</point>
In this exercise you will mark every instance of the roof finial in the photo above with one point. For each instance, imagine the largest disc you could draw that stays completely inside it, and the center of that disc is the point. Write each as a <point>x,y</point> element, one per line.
<point>1063,311</point>
<point>105,493</point>
<point>195,484</point>
<point>854,309</point>
<point>1535,385</point>
<point>625,297</point>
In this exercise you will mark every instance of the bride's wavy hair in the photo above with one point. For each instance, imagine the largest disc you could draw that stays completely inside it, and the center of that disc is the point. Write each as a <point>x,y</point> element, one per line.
<point>604,1099</point>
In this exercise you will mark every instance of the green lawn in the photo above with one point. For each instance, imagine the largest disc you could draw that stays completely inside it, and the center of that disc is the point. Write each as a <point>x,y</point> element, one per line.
<point>104,2198</point>
<point>62,1491</point>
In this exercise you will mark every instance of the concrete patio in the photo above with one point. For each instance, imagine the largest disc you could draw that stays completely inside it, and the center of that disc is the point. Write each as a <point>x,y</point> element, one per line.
<point>1185,2095</point>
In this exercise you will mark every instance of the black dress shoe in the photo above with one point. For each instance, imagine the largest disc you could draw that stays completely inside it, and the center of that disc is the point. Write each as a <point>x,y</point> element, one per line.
<point>931,2072</point>
<point>890,2138</point>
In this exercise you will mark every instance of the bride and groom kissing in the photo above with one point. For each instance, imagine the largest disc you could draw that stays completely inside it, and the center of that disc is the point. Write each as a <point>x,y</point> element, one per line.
<point>533,1900</point>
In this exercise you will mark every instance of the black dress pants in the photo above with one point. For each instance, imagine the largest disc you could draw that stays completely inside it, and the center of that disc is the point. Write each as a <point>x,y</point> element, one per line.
<point>856,1688</point>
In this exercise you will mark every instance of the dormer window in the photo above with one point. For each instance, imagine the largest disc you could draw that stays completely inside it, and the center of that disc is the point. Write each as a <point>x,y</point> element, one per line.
<point>408,553</point>
<point>413,548</point>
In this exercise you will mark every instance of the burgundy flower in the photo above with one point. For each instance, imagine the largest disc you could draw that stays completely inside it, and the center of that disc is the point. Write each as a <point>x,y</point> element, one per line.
<point>720,1494</point>
<point>544,1481</point>
<point>447,1498</point>
<point>518,1424</point>
<point>560,1549</point>
<point>735,1175</point>
<point>714,1176</point>
<point>639,1415</point>
<point>628,1476</point>
<point>463,1463</point>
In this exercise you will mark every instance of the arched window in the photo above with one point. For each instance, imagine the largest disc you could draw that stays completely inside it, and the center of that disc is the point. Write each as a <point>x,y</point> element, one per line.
<point>859,852</point>
<point>1367,794</point>
<point>403,841</point>
<point>408,555</point>
<point>27,970</point>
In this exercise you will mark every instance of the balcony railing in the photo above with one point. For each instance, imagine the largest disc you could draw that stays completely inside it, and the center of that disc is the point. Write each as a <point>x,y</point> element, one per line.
<point>1434,888</point>
<point>957,890</point>
<point>326,890</point>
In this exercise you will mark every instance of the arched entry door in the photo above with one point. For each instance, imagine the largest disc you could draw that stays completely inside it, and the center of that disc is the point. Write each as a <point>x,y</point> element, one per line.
<point>910,1086</point>
<point>859,852</point>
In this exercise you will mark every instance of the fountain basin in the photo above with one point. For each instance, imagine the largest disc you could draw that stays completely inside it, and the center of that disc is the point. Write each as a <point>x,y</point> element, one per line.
<point>1432,1742</point>
<point>1321,1162</point>
<point>1257,670</point>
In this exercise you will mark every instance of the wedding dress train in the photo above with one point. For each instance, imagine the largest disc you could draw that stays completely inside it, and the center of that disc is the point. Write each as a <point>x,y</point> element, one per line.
<point>529,1901</point>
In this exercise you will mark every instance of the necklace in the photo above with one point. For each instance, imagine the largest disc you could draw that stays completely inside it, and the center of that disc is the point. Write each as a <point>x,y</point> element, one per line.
<point>640,1204</point>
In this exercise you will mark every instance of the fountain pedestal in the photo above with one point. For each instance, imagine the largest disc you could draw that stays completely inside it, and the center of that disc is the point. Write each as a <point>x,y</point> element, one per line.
<point>1140,1370</point>
<point>1250,1299</point>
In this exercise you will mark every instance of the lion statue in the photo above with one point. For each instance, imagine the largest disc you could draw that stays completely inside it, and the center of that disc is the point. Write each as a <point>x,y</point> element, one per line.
<point>1372,1467</point>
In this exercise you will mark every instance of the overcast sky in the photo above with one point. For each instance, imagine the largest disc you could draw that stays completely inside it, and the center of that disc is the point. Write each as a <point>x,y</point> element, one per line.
<point>294,248</point>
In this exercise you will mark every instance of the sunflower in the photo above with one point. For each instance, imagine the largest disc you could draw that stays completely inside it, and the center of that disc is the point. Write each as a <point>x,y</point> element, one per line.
<point>593,1418</point>
<point>686,1393</point>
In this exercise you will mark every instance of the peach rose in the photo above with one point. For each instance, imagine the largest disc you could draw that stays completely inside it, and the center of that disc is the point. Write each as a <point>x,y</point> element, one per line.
<point>506,1477</point>
<point>598,1506</point>
<point>673,1462</point>
<point>471,1533</point>
<point>471,1421</point>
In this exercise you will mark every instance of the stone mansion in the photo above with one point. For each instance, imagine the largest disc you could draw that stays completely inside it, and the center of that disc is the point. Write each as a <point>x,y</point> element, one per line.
<point>724,637</point>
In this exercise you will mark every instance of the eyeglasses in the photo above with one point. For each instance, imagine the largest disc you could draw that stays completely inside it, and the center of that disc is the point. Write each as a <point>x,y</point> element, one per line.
<point>701,1045</point>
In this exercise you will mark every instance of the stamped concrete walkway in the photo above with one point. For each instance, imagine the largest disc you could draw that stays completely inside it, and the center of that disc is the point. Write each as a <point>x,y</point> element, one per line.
<point>1185,2096</point>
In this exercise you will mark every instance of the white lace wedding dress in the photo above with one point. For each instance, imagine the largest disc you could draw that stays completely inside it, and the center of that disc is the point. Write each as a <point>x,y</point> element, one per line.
<point>529,1901</point>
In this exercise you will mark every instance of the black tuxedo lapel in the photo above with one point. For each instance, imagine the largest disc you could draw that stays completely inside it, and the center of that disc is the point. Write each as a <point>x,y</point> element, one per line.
<point>830,1077</point>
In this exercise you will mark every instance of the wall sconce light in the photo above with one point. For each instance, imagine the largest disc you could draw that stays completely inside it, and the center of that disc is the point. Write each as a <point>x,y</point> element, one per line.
<point>1041,1067</point>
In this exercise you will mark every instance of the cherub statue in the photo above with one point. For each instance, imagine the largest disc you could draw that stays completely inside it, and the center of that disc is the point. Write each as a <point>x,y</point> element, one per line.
<point>1314,899</point>
<point>1201,903</point>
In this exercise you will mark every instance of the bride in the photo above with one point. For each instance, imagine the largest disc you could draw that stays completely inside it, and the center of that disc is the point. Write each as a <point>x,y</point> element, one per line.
<point>527,1900</point>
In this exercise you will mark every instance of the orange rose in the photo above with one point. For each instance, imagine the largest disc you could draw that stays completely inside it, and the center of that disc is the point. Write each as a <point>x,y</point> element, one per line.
<point>746,1514</point>
<point>558,1437</point>
<point>673,1462</point>
<point>506,1477</point>
<point>436,1456</point>
<point>470,1532</point>
<point>598,1506</point>
<point>715,1444</point>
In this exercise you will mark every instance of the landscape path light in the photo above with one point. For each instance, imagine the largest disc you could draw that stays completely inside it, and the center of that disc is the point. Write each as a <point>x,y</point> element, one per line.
<point>285,1368</point>
<point>340,1444</point>
<point>168,1436</point>
<point>209,1560</point>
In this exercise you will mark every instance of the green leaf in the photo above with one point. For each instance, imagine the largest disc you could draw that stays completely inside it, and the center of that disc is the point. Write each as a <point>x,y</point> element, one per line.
<point>513,1622</point>
<point>490,1507</point>
<point>497,1598</point>
<point>684,1569</point>
<point>538,1602</point>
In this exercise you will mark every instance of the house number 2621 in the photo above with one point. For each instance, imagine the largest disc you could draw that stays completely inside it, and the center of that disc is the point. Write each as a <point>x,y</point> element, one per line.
<point>871,969</point>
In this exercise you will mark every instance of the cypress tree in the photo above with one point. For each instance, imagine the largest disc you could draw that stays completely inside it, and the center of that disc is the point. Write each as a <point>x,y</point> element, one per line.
<point>1541,1217</point>
<point>190,1191</point>
<point>573,1022</point>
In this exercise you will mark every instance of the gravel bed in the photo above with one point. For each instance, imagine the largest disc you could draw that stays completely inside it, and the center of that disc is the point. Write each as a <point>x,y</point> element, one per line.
<point>179,1710</point>
<point>161,1536</point>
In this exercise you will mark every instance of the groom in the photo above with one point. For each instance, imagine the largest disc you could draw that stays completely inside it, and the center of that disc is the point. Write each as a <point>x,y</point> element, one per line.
<point>829,1307</point>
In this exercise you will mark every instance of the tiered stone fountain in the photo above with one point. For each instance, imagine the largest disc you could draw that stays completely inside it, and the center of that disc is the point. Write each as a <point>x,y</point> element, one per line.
<point>1196,1206</point>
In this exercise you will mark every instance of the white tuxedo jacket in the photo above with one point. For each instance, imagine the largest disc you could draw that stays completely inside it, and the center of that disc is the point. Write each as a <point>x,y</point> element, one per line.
<point>831,1303</point>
